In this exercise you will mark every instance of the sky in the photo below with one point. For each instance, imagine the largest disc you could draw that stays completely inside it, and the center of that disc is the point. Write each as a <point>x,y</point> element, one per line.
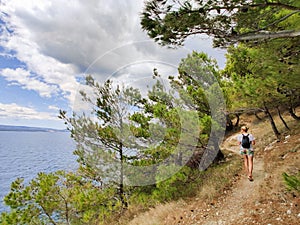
<point>47,47</point>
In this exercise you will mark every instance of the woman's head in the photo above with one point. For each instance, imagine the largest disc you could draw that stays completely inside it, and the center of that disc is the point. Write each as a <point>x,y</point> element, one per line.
<point>244,128</point>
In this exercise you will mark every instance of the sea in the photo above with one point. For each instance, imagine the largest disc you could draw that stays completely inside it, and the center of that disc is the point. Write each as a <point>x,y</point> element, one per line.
<point>25,154</point>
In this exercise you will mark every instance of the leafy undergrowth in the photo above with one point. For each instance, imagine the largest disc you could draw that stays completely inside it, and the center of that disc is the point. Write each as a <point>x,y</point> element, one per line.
<point>227,197</point>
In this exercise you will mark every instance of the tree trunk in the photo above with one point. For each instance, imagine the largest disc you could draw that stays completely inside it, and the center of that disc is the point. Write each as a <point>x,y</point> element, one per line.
<point>291,111</point>
<point>212,154</point>
<point>237,120</point>
<point>219,157</point>
<point>257,116</point>
<point>229,125</point>
<point>121,185</point>
<point>275,130</point>
<point>283,121</point>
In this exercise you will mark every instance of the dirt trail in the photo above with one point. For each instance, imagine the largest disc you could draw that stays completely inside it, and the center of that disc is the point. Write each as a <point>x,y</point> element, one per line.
<point>235,205</point>
<point>233,208</point>
<point>244,194</point>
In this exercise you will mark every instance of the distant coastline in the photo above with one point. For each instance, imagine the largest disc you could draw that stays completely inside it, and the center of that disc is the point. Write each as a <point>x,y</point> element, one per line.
<point>31,129</point>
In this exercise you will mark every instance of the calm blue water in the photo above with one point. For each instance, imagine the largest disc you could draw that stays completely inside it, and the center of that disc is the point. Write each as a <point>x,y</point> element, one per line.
<point>24,154</point>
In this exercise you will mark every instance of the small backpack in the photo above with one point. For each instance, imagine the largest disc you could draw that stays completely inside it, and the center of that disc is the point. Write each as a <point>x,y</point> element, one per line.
<point>246,141</point>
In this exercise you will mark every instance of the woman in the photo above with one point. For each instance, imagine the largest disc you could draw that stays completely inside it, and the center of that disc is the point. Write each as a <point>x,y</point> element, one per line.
<point>246,142</point>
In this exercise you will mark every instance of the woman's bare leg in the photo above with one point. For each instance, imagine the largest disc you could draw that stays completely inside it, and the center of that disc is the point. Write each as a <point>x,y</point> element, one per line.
<point>250,165</point>
<point>246,164</point>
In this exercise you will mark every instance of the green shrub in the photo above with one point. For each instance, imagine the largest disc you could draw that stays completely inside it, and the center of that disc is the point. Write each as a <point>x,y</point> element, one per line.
<point>292,182</point>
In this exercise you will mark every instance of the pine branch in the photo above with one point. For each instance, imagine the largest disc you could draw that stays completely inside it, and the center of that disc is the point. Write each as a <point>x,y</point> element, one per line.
<point>267,35</point>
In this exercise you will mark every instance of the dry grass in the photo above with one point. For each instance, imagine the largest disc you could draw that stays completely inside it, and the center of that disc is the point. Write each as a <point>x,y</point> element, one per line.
<point>279,158</point>
<point>157,215</point>
<point>219,178</point>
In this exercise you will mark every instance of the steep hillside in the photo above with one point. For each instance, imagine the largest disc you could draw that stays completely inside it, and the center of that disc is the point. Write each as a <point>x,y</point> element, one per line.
<point>266,200</point>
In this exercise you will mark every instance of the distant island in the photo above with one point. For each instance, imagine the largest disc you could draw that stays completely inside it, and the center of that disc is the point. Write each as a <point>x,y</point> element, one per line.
<point>25,128</point>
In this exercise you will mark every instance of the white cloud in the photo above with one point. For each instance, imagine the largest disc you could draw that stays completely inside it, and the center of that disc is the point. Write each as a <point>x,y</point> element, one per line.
<point>53,108</point>
<point>77,33</point>
<point>59,40</point>
<point>14,111</point>
<point>25,80</point>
